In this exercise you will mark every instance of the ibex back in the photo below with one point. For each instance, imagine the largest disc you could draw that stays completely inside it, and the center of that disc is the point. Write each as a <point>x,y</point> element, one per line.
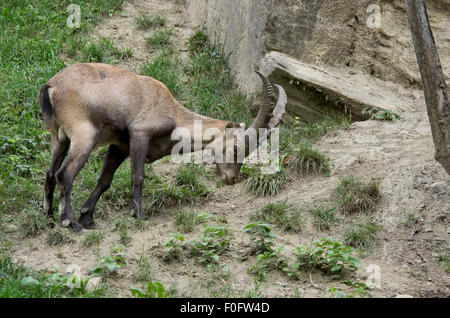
<point>92,105</point>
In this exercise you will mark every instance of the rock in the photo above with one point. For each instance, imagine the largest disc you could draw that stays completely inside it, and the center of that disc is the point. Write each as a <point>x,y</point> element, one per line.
<point>93,283</point>
<point>403,296</point>
<point>74,280</point>
<point>10,228</point>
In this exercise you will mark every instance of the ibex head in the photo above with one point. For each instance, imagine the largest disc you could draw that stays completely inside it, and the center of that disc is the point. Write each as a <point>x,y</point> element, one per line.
<point>238,142</point>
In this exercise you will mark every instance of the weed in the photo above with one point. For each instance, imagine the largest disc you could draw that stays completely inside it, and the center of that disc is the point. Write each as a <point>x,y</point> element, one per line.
<point>160,39</point>
<point>17,281</point>
<point>360,290</point>
<point>411,219</point>
<point>213,242</point>
<point>354,195</point>
<point>266,184</point>
<point>308,160</point>
<point>445,259</point>
<point>173,247</point>
<point>33,223</point>
<point>268,261</point>
<point>59,236</point>
<point>281,214</point>
<point>185,220</point>
<point>144,271</point>
<point>93,238</point>
<point>328,255</point>
<point>189,176</point>
<point>261,237</point>
<point>145,21</point>
<point>380,114</point>
<point>125,238</point>
<point>154,290</point>
<point>324,217</point>
<point>109,265</point>
<point>363,236</point>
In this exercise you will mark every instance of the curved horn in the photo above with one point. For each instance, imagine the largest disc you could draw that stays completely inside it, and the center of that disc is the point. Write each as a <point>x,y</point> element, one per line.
<point>267,106</point>
<point>269,115</point>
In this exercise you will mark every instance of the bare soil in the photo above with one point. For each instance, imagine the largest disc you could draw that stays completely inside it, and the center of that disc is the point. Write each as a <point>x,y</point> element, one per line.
<point>400,153</point>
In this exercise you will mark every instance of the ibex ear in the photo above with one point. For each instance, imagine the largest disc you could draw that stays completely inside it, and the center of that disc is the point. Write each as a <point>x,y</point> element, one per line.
<point>242,125</point>
<point>229,125</point>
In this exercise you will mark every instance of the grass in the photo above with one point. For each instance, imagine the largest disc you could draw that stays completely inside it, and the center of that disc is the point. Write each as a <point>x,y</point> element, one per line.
<point>324,218</point>
<point>93,238</point>
<point>18,281</point>
<point>266,184</point>
<point>32,223</point>
<point>308,160</point>
<point>185,220</point>
<point>59,236</point>
<point>363,236</point>
<point>146,21</point>
<point>161,38</point>
<point>356,195</point>
<point>280,213</point>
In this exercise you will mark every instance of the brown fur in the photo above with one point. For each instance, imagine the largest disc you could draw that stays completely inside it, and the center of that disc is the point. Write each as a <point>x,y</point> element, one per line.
<point>94,105</point>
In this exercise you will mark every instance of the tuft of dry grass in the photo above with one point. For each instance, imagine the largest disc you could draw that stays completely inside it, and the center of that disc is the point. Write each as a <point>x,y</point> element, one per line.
<point>356,195</point>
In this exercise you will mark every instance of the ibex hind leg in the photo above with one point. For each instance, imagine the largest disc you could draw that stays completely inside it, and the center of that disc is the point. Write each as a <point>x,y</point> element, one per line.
<point>82,144</point>
<point>59,151</point>
<point>113,159</point>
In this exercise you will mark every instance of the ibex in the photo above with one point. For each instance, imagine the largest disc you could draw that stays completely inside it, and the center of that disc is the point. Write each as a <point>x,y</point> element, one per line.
<point>91,105</point>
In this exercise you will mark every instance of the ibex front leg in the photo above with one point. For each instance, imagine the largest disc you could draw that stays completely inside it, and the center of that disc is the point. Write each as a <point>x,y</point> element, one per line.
<point>138,153</point>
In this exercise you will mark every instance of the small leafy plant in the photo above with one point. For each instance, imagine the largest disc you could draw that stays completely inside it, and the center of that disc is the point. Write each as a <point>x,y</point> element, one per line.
<point>154,290</point>
<point>110,264</point>
<point>173,247</point>
<point>328,255</point>
<point>261,236</point>
<point>380,114</point>
<point>208,247</point>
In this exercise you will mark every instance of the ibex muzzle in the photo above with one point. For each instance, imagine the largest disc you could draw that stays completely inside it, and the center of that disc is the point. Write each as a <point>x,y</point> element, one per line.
<point>91,105</point>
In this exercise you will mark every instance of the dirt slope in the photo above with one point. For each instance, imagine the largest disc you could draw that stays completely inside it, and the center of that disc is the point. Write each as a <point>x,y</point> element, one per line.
<point>400,153</point>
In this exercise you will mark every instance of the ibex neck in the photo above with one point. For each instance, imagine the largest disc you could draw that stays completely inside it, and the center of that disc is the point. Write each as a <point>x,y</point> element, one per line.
<point>200,127</point>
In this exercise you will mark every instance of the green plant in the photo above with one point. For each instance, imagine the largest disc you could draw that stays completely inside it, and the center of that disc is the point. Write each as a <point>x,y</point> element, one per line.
<point>307,160</point>
<point>59,236</point>
<point>145,21</point>
<point>380,114</point>
<point>282,214</point>
<point>261,237</point>
<point>185,220</point>
<point>33,223</point>
<point>208,247</point>
<point>360,290</point>
<point>173,247</point>
<point>329,255</point>
<point>266,184</point>
<point>268,261</point>
<point>410,220</point>
<point>355,195</point>
<point>324,217</point>
<point>94,238</point>
<point>125,238</point>
<point>144,270</point>
<point>363,236</point>
<point>189,176</point>
<point>109,265</point>
<point>154,290</point>
<point>18,281</point>
<point>160,39</point>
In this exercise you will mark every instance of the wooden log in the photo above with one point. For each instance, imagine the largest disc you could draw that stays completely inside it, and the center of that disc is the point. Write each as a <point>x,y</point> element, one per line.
<point>433,80</point>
